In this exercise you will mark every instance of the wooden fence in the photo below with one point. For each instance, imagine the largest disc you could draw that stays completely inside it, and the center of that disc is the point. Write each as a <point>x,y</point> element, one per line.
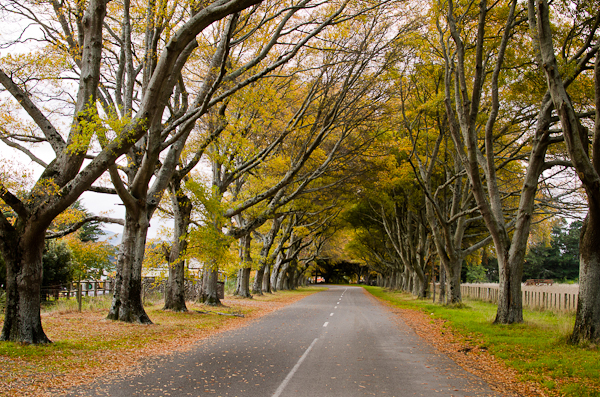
<point>69,290</point>
<point>556,301</point>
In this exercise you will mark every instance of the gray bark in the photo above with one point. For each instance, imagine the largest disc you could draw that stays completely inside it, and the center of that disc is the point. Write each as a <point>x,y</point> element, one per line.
<point>212,297</point>
<point>175,288</point>
<point>127,302</point>
<point>258,286</point>
<point>243,279</point>
<point>587,320</point>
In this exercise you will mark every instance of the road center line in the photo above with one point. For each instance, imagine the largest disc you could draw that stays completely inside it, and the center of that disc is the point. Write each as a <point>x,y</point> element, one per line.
<point>293,371</point>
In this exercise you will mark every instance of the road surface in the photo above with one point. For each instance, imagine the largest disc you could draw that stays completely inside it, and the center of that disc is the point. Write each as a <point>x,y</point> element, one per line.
<point>340,342</point>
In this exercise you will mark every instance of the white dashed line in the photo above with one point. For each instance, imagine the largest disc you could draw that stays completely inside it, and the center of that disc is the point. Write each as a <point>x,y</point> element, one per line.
<point>331,315</point>
<point>325,325</point>
<point>293,371</point>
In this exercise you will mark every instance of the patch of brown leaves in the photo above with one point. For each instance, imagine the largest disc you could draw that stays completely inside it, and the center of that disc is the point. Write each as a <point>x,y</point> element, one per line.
<point>54,374</point>
<point>466,352</point>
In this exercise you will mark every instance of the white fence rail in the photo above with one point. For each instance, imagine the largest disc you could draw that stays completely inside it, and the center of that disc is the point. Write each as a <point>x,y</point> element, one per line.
<point>556,298</point>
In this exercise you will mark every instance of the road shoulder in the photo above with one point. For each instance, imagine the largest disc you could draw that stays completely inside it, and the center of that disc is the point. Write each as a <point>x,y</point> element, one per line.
<point>463,351</point>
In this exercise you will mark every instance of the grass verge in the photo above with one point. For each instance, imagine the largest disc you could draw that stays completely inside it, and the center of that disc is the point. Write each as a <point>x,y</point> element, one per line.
<point>86,346</point>
<point>537,349</point>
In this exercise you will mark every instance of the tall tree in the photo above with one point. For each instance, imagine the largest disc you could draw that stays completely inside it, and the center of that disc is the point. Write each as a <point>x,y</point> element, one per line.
<point>585,24</point>
<point>79,30</point>
<point>465,89</point>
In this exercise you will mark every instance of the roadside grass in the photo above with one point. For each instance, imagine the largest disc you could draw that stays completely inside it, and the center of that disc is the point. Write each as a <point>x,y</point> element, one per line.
<point>86,345</point>
<point>538,349</point>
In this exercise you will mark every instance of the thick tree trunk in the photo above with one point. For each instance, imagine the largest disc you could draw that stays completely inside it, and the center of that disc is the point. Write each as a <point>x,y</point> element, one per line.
<point>282,277</point>
<point>175,288</point>
<point>127,302</point>
<point>243,279</point>
<point>23,258</point>
<point>275,273</point>
<point>293,277</point>
<point>266,283</point>
<point>453,274</point>
<point>203,285</point>
<point>212,296</point>
<point>243,283</point>
<point>257,284</point>
<point>587,320</point>
<point>510,300</point>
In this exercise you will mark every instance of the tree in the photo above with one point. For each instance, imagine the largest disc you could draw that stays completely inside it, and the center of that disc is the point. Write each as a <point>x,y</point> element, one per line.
<point>79,31</point>
<point>585,23</point>
<point>57,263</point>
<point>464,93</point>
<point>558,259</point>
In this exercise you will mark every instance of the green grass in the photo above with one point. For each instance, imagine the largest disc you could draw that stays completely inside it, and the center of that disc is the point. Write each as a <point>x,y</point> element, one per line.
<point>537,349</point>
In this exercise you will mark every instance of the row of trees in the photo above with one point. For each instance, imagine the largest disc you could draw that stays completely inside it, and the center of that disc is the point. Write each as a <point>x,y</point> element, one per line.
<point>277,101</point>
<point>495,109</point>
<point>437,131</point>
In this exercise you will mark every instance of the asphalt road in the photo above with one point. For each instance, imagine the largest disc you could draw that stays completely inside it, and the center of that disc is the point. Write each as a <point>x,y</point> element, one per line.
<point>339,342</point>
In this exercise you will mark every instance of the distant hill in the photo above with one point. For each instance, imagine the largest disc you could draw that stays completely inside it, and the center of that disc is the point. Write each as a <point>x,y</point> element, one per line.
<point>111,237</point>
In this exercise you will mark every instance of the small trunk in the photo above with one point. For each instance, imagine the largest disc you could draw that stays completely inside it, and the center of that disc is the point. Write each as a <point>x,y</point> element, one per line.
<point>22,321</point>
<point>587,320</point>
<point>442,285</point>
<point>212,296</point>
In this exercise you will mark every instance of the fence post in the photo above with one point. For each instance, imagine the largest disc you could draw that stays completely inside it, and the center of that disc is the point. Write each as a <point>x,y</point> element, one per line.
<point>79,294</point>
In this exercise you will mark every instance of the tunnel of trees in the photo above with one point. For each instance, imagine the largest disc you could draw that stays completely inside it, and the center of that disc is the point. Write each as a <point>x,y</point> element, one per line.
<point>365,141</point>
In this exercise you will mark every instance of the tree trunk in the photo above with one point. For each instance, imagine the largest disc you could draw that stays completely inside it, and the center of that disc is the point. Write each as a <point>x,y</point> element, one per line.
<point>587,320</point>
<point>127,302</point>
<point>453,273</point>
<point>203,285</point>
<point>212,296</point>
<point>243,280</point>
<point>175,288</point>
<point>243,283</point>
<point>293,277</point>
<point>257,284</point>
<point>266,283</point>
<point>262,281</point>
<point>442,285</point>
<point>23,258</point>
<point>282,276</point>
<point>275,273</point>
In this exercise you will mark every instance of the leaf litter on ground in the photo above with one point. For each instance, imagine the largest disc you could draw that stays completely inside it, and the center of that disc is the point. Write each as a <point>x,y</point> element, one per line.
<point>88,347</point>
